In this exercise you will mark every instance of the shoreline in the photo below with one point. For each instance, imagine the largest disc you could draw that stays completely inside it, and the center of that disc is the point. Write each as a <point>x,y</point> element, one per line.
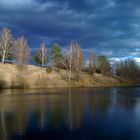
<point>13,76</point>
<point>73,87</point>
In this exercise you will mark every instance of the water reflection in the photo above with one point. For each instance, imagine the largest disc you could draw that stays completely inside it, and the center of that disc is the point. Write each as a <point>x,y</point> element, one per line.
<point>67,110</point>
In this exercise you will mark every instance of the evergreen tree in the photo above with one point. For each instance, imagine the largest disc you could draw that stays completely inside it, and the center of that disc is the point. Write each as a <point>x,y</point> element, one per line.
<point>41,57</point>
<point>56,54</point>
<point>104,65</point>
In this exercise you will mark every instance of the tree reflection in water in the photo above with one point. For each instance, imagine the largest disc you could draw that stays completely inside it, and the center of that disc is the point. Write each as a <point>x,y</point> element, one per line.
<point>62,109</point>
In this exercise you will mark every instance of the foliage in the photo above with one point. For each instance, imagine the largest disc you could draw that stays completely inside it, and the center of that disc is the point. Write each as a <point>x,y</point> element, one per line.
<point>56,53</point>
<point>41,57</point>
<point>104,65</point>
<point>48,69</point>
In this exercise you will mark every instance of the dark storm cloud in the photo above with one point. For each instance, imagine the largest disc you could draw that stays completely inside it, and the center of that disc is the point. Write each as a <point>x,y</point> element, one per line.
<point>110,27</point>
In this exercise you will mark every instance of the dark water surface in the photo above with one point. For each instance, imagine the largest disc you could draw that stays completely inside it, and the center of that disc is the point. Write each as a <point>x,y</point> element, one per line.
<point>70,114</point>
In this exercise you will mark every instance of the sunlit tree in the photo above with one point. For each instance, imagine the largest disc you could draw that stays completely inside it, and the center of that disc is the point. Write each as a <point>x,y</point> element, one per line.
<point>6,44</point>
<point>21,51</point>
<point>73,60</point>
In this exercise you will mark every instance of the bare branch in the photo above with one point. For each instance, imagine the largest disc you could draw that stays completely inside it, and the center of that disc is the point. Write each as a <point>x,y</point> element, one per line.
<point>6,43</point>
<point>21,50</point>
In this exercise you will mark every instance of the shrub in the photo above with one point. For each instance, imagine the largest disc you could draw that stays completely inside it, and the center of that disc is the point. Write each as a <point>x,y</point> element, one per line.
<point>48,69</point>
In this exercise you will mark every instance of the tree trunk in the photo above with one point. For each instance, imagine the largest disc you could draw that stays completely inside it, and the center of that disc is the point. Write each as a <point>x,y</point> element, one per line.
<point>20,58</point>
<point>3,57</point>
<point>42,60</point>
<point>69,77</point>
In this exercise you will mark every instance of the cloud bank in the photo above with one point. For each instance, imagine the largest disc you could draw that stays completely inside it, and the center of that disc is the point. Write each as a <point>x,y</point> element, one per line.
<point>110,27</point>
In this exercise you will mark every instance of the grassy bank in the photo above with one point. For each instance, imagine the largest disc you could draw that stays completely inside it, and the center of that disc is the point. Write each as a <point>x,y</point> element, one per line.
<point>28,76</point>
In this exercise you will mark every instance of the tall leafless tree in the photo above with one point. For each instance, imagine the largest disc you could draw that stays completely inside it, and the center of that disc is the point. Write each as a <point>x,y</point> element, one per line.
<point>78,60</point>
<point>21,51</point>
<point>128,70</point>
<point>6,42</point>
<point>73,60</point>
<point>67,61</point>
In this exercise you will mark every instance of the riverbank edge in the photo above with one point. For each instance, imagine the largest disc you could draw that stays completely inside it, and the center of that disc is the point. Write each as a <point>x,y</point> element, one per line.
<point>13,76</point>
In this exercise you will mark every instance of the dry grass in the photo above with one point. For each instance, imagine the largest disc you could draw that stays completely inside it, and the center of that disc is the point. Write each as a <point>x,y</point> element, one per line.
<point>28,76</point>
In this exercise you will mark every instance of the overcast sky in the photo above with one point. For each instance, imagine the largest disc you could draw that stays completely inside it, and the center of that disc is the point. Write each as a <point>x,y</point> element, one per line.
<point>110,27</point>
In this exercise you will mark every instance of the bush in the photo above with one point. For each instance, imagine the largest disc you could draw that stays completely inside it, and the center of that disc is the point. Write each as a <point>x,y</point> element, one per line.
<point>48,69</point>
<point>56,69</point>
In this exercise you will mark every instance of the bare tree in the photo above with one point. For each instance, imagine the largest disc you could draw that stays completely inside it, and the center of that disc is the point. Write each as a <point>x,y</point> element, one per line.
<point>73,60</point>
<point>41,55</point>
<point>67,61</point>
<point>128,70</point>
<point>78,60</point>
<point>21,50</point>
<point>5,43</point>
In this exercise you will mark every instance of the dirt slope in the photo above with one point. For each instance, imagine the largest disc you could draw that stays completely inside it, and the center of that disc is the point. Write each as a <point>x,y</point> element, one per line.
<point>28,76</point>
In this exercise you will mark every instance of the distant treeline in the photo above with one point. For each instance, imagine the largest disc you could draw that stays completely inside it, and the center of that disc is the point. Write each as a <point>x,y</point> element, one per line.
<point>72,59</point>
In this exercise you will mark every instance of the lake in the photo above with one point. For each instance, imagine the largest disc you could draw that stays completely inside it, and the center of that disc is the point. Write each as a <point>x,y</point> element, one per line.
<point>70,114</point>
